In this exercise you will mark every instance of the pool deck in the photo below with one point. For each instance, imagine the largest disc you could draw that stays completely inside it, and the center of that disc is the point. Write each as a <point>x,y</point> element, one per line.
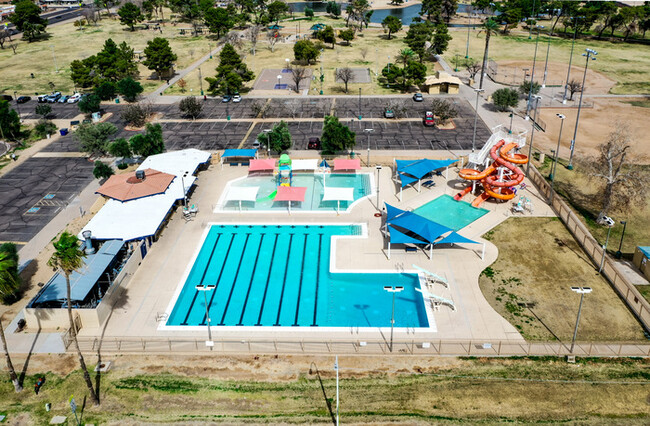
<point>153,286</point>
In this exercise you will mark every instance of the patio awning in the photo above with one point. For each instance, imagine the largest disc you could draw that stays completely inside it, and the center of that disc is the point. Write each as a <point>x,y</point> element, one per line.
<point>338,194</point>
<point>422,167</point>
<point>304,164</point>
<point>427,229</point>
<point>342,164</point>
<point>456,238</point>
<point>406,179</point>
<point>248,153</point>
<point>265,165</point>
<point>242,193</point>
<point>398,237</point>
<point>290,193</point>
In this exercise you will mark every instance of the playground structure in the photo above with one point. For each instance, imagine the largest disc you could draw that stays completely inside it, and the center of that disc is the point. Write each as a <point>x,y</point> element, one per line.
<point>501,177</point>
<point>285,173</point>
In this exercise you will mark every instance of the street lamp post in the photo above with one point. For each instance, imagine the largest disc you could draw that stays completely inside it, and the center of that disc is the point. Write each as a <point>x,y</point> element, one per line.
<point>200,81</point>
<point>530,26</point>
<point>602,259</point>
<point>368,131</point>
<point>532,134</point>
<point>532,76</point>
<point>589,55</point>
<point>336,367</point>
<point>287,60</point>
<point>620,245</point>
<point>582,291</point>
<point>557,153</point>
<point>475,118</point>
<point>378,167</point>
<point>548,48</point>
<point>204,289</point>
<point>359,103</point>
<point>394,290</point>
<point>512,115</point>
<point>468,28</point>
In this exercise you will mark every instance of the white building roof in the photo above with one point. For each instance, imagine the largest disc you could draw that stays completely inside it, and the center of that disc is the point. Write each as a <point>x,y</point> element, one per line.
<point>177,163</point>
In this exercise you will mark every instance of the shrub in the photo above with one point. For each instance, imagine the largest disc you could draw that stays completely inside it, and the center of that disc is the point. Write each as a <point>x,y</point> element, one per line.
<point>505,98</point>
<point>122,166</point>
<point>43,110</point>
<point>444,110</point>
<point>136,114</point>
<point>524,88</point>
<point>190,107</point>
<point>44,128</point>
<point>102,171</point>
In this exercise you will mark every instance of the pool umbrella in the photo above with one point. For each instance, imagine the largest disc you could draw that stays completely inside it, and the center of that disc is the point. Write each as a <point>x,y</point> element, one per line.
<point>290,193</point>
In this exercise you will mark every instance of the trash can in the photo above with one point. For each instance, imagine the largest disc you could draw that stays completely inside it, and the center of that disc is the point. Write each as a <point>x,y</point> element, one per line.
<point>63,131</point>
<point>117,100</point>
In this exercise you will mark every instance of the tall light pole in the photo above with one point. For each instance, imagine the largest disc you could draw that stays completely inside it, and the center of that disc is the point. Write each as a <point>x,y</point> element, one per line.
<point>336,367</point>
<point>368,131</point>
<point>532,134</point>
<point>378,167</point>
<point>394,290</point>
<point>532,76</point>
<point>604,247</point>
<point>478,91</point>
<point>469,26</point>
<point>204,289</point>
<point>620,245</point>
<point>557,152</point>
<point>56,68</point>
<point>590,54</point>
<point>530,26</point>
<point>17,104</point>
<point>582,291</point>
<point>200,81</point>
<point>359,103</point>
<point>512,115</point>
<point>568,72</point>
<point>548,49</point>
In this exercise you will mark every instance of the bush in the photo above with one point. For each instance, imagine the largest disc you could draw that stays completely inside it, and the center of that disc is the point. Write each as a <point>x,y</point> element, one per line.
<point>43,110</point>
<point>524,88</point>
<point>44,128</point>
<point>190,107</point>
<point>107,90</point>
<point>505,98</point>
<point>444,110</point>
<point>122,166</point>
<point>136,115</point>
<point>102,171</point>
<point>149,143</point>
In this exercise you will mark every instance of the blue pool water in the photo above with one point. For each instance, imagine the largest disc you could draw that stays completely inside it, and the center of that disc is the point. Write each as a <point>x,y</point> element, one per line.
<point>278,275</point>
<point>449,212</point>
<point>314,182</point>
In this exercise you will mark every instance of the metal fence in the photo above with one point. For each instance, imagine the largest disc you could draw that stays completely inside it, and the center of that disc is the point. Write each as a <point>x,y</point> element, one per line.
<point>151,345</point>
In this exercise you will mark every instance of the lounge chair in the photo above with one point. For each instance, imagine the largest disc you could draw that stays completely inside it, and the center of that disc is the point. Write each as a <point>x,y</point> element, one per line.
<point>429,184</point>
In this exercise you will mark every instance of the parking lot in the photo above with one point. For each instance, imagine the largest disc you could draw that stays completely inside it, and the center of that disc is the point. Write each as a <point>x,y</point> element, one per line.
<point>209,136</point>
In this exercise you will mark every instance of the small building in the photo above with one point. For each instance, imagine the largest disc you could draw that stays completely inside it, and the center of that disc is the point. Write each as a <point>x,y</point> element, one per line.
<point>442,82</point>
<point>642,260</point>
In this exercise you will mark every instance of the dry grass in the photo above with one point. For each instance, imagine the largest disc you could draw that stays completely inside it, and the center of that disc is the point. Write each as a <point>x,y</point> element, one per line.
<point>279,390</point>
<point>538,263</point>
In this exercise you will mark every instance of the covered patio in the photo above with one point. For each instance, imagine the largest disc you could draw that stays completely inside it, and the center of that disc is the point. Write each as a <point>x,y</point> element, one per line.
<point>238,156</point>
<point>410,171</point>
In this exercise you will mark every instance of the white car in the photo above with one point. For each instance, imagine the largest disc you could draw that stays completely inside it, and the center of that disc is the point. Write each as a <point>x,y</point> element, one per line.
<point>236,98</point>
<point>74,98</point>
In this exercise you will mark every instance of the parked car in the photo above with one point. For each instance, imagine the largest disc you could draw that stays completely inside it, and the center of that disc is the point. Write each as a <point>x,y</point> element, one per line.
<point>74,98</point>
<point>226,98</point>
<point>6,98</point>
<point>429,120</point>
<point>418,97</point>
<point>63,99</point>
<point>23,99</point>
<point>236,98</point>
<point>314,143</point>
<point>389,113</point>
<point>53,97</point>
<point>256,144</point>
<point>42,98</point>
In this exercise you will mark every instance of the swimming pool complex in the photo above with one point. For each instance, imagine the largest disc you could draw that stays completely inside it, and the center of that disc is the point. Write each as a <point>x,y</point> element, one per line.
<point>449,212</point>
<point>314,182</point>
<point>279,275</point>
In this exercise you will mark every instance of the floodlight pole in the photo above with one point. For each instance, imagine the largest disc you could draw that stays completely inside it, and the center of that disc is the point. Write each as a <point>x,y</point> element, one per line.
<point>532,134</point>
<point>548,48</point>
<point>368,131</point>
<point>394,290</point>
<point>204,289</point>
<point>557,152</point>
<point>532,75</point>
<point>478,91</point>
<point>589,55</point>
<point>582,291</point>
<point>602,259</point>
<point>336,367</point>
<point>378,167</point>
<point>568,72</point>
<point>530,27</point>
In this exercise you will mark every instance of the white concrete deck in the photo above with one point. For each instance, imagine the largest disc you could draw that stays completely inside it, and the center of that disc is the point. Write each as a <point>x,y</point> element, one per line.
<point>154,285</point>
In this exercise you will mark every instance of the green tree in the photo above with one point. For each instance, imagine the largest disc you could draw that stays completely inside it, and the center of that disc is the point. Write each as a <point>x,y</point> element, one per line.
<point>67,258</point>
<point>120,148</point>
<point>190,107</point>
<point>106,4</point>
<point>305,50</point>
<point>309,13</point>
<point>189,11</point>
<point>232,72</point>
<point>443,109</point>
<point>511,14</point>
<point>27,18</point>
<point>336,136</point>
<point>333,8</point>
<point>418,37</point>
<point>505,98</point>
<point>89,104</point>
<point>129,88</point>
<point>8,285</point>
<point>490,27</point>
<point>391,23</point>
<point>93,138</point>
<point>440,40</point>
<point>326,35</point>
<point>106,90</point>
<point>148,143</point>
<point>130,14</point>
<point>9,277</point>
<point>102,170</point>
<point>82,73</point>
<point>112,63</point>
<point>159,56</point>
<point>276,9</point>
<point>218,20</point>
<point>43,110</point>
<point>392,73</point>
<point>9,121</point>
<point>347,36</point>
<point>278,139</point>
<point>414,73</point>
<point>360,10</point>
<point>524,88</point>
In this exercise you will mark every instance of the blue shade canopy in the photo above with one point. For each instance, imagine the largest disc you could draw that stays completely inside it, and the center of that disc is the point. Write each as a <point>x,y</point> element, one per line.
<point>250,153</point>
<point>645,250</point>
<point>324,164</point>
<point>398,237</point>
<point>406,179</point>
<point>422,167</point>
<point>392,212</point>
<point>456,238</point>
<point>428,230</point>
<point>83,280</point>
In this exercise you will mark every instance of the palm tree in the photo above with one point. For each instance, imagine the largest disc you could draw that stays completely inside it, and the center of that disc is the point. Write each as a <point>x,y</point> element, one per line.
<point>489,27</point>
<point>405,56</point>
<point>68,257</point>
<point>8,284</point>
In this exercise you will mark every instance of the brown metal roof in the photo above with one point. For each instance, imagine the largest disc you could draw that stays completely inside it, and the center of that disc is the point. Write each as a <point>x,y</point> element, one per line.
<point>127,186</point>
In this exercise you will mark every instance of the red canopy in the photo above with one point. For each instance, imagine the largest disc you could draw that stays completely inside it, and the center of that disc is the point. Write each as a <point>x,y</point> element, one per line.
<point>290,193</point>
<point>354,164</point>
<point>261,165</point>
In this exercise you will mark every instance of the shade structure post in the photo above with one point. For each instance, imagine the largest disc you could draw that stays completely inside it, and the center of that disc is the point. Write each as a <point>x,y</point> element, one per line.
<point>239,206</point>
<point>431,251</point>
<point>338,206</point>
<point>388,249</point>
<point>289,207</point>
<point>419,185</point>
<point>483,252</point>
<point>447,173</point>
<point>400,194</point>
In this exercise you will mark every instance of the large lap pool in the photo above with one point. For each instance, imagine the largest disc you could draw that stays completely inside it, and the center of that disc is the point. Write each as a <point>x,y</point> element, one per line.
<point>449,212</point>
<point>279,275</point>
